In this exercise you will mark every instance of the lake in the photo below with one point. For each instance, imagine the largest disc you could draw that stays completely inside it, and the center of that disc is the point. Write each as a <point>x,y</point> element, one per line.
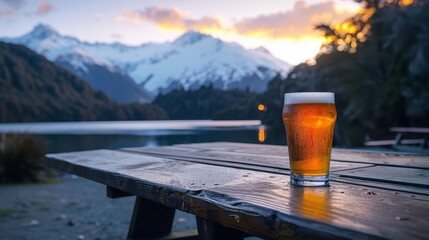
<point>79,136</point>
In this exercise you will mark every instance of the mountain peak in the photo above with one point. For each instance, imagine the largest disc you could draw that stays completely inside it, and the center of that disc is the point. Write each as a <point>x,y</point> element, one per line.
<point>190,37</point>
<point>43,31</point>
<point>262,50</point>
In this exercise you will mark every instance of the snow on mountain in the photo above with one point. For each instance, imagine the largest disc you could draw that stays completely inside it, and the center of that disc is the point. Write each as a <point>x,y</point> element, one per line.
<point>74,55</point>
<point>46,41</point>
<point>192,60</point>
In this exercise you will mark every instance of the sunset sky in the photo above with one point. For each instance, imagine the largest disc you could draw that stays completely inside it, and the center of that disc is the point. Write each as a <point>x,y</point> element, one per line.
<point>283,27</point>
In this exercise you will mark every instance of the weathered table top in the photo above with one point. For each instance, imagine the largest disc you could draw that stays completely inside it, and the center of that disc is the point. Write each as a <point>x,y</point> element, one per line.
<point>246,187</point>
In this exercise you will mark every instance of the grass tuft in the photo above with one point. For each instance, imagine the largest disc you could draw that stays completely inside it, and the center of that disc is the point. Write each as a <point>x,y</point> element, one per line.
<point>22,159</point>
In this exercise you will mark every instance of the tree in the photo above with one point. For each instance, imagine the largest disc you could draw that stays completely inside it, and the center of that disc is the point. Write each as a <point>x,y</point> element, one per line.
<point>376,63</point>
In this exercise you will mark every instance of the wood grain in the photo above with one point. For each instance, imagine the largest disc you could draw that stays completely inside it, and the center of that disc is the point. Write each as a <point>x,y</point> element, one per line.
<point>338,155</point>
<point>262,204</point>
<point>242,160</point>
<point>203,153</point>
<point>404,176</point>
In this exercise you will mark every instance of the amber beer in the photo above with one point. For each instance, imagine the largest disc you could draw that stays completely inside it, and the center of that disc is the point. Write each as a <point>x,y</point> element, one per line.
<point>309,119</point>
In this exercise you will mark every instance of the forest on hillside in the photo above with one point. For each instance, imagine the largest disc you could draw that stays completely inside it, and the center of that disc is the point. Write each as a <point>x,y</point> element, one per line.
<point>208,102</point>
<point>33,89</point>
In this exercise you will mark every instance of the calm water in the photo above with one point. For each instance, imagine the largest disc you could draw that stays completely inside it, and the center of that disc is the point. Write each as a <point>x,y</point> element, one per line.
<point>78,136</point>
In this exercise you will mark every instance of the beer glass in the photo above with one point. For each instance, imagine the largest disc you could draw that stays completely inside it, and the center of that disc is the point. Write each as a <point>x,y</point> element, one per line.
<point>309,119</point>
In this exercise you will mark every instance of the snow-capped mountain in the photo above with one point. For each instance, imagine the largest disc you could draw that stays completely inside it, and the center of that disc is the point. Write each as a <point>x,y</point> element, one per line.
<point>192,60</point>
<point>74,56</point>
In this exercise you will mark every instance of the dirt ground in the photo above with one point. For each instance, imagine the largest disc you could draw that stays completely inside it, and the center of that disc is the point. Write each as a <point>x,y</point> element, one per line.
<point>72,208</point>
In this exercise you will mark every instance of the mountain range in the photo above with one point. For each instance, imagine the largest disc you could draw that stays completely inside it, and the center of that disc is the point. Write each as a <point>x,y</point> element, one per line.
<point>34,89</point>
<point>135,73</point>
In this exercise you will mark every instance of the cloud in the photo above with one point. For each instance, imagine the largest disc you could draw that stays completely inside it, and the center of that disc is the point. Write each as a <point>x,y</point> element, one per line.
<point>169,18</point>
<point>44,8</point>
<point>99,16</point>
<point>299,21</point>
<point>6,12</point>
<point>202,23</point>
<point>16,4</point>
<point>295,23</point>
<point>116,36</point>
<point>164,17</point>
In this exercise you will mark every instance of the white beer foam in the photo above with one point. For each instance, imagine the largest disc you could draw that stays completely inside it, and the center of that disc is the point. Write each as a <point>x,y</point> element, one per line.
<point>309,97</point>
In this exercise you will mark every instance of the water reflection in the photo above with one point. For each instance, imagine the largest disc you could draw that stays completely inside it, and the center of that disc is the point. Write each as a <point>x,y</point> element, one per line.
<point>79,136</point>
<point>74,142</point>
<point>262,134</point>
<point>312,202</point>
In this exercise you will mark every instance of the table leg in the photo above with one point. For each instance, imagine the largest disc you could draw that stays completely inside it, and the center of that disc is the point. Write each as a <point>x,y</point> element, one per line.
<point>150,220</point>
<point>209,230</point>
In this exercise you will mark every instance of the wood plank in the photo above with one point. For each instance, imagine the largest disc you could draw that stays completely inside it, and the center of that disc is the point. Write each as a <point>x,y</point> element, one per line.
<point>414,160</point>
<point>225,164</point>
<point>277,169</point>
<point>380,158</point>
<point>258,203</point>
<point>116,193</point>
<point>393,142</point>
<point>223,146</point>
<point>399,175</point>
<point>409,130</point>
<point>380,184</point>
<point>233,159</point>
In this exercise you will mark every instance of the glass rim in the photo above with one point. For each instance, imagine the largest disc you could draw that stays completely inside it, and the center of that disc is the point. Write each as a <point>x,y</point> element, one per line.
<point>309,97</point>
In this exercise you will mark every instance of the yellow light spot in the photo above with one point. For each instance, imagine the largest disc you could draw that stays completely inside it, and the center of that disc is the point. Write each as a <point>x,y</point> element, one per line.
<point>340,48</point>
<point>261,107</point>
<point>348,38</point>
<point>339,41</point>
<point>368,14</point>
<point>328,39</point>
<point>346,27</point>
<point>407,2</point>
<point>361,11</point>
<point>262,134</point>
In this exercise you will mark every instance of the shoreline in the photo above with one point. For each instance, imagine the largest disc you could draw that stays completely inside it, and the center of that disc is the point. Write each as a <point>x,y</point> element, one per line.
<point>71,208</point>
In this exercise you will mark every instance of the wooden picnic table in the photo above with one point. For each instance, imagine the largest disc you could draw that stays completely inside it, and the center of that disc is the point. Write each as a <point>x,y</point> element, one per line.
<point>237,190</point>
<point>403,143</point>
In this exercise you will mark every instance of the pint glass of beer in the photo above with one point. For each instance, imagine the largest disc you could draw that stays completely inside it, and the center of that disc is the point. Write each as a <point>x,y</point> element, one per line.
<point>309,119</point>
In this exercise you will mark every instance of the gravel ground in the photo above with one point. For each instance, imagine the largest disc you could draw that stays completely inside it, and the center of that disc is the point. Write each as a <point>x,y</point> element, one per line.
<point>72,208</point>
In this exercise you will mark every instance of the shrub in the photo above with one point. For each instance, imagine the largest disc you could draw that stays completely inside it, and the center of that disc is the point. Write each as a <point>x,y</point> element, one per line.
<point>21,159</point>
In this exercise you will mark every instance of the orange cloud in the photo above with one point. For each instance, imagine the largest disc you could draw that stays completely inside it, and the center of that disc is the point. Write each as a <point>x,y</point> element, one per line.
<point>296,23</point>
<point>299,21</point>
<point>203,23</point>
<point>169,18</point>
<point>164,17</point>
<point>44,8</point>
